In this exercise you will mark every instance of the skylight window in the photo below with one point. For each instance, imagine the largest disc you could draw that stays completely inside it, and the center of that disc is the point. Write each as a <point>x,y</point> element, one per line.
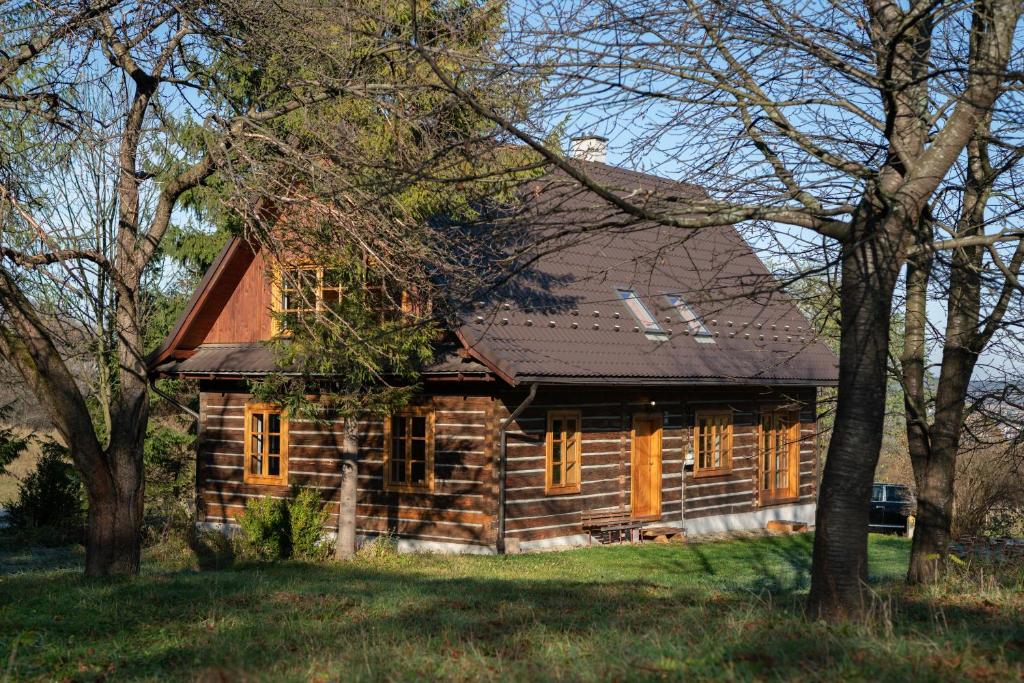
<point>648,323</point>
<point>693,322</point>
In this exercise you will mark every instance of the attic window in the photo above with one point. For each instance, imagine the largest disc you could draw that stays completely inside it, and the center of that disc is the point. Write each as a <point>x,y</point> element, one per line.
<point>648,323</point>
<point>693,322</point>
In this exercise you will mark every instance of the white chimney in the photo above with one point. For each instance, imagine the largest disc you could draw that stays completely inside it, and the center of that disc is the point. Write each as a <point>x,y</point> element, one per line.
<point>589,148</point>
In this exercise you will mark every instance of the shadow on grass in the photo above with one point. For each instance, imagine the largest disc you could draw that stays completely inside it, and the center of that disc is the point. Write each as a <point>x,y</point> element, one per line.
<point>649,616</point>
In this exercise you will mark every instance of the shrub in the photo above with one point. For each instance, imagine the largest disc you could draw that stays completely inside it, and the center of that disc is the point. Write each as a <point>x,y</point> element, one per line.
<point>170,482</point>
<point>49,507</point>
<point>989,489</point>
<point>308,515</point>
<point>265,528</point>
<point>382,546</point>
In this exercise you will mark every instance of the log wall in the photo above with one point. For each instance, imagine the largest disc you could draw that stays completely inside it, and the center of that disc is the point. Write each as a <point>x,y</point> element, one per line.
<point>461,509</point>
<point>606,455</point>
<point>463,506</point>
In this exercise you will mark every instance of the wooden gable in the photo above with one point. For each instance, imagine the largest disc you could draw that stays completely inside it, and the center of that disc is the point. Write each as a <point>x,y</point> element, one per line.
<point>232,305</point>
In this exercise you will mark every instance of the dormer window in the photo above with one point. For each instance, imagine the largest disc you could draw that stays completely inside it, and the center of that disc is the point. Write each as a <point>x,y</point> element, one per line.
<point>305,290</point>
<point>648,323</point>
<point>690,318</point>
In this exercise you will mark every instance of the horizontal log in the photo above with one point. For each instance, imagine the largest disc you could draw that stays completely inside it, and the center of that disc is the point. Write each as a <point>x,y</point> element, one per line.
<point>563,504</point>
<point>726,509</point>
<point>521,523</point>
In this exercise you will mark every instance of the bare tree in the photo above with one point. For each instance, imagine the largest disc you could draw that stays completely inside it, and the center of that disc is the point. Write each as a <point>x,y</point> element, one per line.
<point>979,283</point>
<point>172,79</point>
<point>845,119</point>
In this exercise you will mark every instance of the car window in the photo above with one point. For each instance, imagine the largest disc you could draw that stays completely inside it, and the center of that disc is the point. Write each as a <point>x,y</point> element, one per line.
<point>877,492</point>
<point>899,493</point>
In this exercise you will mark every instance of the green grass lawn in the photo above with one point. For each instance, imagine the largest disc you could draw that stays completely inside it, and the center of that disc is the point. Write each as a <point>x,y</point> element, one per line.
<point>714,611</point>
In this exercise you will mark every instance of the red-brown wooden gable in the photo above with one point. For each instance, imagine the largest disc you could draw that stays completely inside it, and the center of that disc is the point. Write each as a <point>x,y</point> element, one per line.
<point>236,306</point>
<point>245,316</point>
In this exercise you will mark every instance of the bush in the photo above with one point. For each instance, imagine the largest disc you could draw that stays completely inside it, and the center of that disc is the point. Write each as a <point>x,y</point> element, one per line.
<point>49,508</point>
<point>989,489</point>
<point>170,482</point>
<point>265,529</point>
<point>274,529</point>
<point>381,546</point>
<point>308,515</point>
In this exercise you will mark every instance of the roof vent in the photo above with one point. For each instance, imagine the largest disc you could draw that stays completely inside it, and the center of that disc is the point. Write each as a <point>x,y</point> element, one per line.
<point>589,148</point>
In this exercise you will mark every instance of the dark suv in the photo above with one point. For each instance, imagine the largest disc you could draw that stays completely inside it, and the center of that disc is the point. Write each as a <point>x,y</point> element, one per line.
<point>891,507</point>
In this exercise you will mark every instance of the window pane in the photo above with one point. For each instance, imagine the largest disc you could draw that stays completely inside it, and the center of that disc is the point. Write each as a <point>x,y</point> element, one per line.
<point>257,423</point>
<point>419,450</point>
<point>398,426</point>
<point>398,470</point>
<point>688,316</point>
<point>398,455</point>
<point>274,423</point>
<point>419,427</point>
<point>899,494</point>
<point>274,444</point>
<point>332,299</point>
<point>332,278</point>
<point>256,459</point>
<point>556,463</point>
<point>419,462</point>
<point>274,466</point>
<point>639,310</point>
<point>716,449</point>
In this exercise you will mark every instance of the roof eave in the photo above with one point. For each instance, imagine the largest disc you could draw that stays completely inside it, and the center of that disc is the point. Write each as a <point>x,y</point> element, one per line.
<point>673,381</point>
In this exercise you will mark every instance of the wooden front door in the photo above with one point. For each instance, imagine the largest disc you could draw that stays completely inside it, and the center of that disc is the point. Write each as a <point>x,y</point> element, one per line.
<point>646,479</point>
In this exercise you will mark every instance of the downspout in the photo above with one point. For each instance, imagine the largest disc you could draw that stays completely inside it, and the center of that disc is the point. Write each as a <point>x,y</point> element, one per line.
<point>502,453</point>
<point>173,401</point>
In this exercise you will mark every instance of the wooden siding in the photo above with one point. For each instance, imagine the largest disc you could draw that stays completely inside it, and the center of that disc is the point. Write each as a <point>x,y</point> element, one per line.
<point>245,317</point>
<point>463,506</point>
<point>461,509</point>
<point>737,492</point>
<point>606,450</point>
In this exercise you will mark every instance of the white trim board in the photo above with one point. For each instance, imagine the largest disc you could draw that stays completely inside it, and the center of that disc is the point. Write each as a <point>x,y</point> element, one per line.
<point>749,521</point>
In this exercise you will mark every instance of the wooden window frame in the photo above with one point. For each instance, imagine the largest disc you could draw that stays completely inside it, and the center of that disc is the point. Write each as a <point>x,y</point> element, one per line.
<point>768,496</point>
<point>549,443</point>
<point>409,304</point>
<point>277,293</point>
<point>726,465</point>
<point>262,479</point>
<point>405,486</point>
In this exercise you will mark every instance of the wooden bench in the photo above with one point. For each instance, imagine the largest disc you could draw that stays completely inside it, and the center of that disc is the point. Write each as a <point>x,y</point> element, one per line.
<point>608,520</point>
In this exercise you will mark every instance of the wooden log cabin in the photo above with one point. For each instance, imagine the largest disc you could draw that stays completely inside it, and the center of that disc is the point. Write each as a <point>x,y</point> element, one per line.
<point>645,374</point>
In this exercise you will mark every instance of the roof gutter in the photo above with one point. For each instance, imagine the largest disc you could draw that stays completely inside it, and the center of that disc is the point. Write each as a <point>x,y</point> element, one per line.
<point>502,469</point>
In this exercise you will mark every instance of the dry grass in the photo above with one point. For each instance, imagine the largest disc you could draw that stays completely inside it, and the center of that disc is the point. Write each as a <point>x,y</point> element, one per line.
<point>17,469</point>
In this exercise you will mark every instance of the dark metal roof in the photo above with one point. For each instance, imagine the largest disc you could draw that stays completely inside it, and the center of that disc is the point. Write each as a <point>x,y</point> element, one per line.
<point>563,320</point>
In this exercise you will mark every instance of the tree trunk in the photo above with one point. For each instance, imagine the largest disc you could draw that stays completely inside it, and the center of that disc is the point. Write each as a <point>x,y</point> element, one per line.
<point>113,538</point>
<point>934,518</point>
<point>935,466</point>
<point>345,545</point>
<point>871,265</point>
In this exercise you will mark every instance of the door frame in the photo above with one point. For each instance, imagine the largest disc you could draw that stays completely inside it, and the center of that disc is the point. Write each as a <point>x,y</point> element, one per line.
<point>659,418</point>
